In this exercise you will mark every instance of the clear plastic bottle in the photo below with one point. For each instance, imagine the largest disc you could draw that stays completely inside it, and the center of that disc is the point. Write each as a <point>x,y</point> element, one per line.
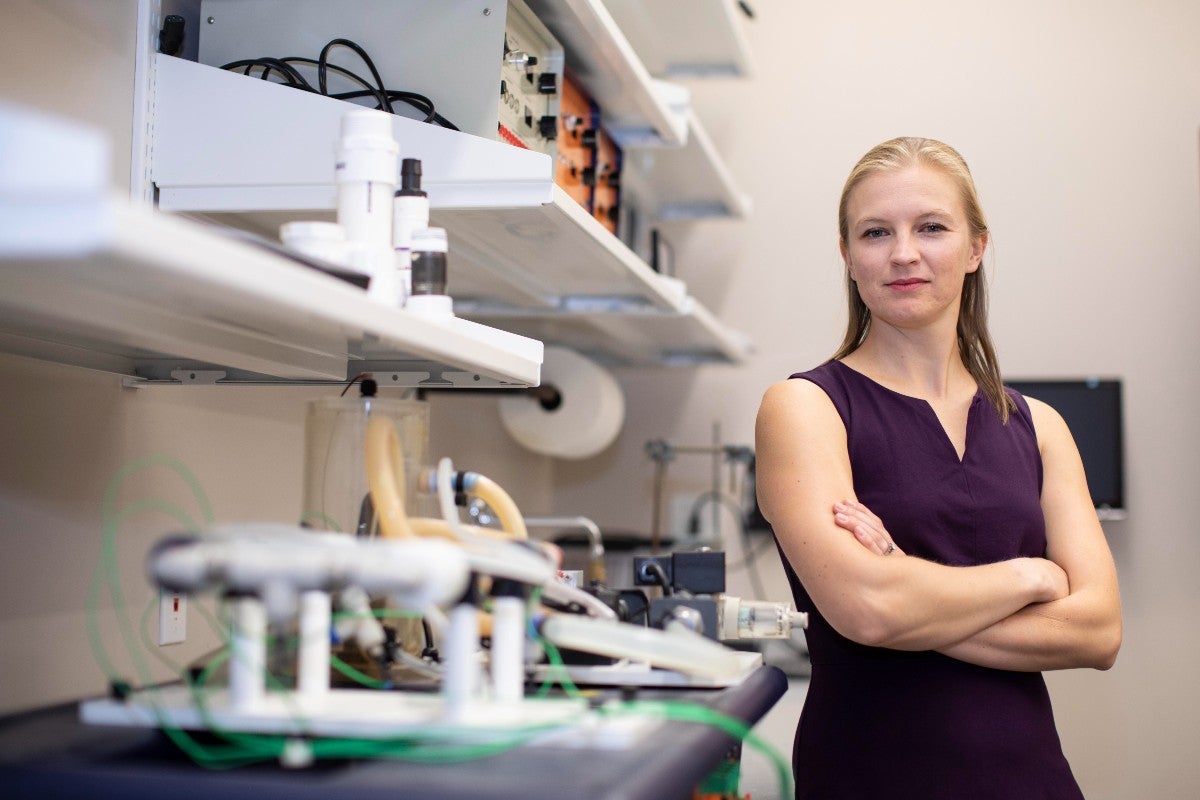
<point>430,274</point>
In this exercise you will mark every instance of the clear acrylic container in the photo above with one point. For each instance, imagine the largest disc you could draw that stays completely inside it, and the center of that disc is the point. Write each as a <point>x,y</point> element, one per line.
<point>336,492</point>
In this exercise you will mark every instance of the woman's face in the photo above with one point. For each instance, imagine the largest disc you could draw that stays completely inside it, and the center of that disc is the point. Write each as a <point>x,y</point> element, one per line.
<point>909,246</point>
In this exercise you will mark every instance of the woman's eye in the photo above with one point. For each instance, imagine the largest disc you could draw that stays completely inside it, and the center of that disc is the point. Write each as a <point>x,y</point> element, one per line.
<point>874,233</point>
<point>933,227</point>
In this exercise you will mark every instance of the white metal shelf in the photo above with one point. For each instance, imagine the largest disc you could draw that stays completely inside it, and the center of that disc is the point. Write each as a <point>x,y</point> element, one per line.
<point>518,241</point>
<point>552,257</point>
<point>689,337</point>
<point>636,109</point>
<point>685,38</point>
<point>690,182</point>
<point>142,286</point>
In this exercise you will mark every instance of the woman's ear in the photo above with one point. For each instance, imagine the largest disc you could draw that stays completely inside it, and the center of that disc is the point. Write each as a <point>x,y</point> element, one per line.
<point>978,248</point>
<point>846,258</point>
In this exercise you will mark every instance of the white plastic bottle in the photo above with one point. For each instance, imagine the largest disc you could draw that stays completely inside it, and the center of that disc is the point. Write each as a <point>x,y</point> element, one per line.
<point>365,176</point>
<point>430,275</point>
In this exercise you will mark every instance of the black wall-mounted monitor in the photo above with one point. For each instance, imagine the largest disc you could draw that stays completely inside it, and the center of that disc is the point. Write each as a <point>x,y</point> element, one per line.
<point>1092,410</point>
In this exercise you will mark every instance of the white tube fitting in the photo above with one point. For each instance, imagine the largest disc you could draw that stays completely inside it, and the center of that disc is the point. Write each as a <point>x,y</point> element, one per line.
<point>312,667</point>
<point>248,656</point>
<point>360,623</point>
<point>460,679</point>
<point>757,619</point>
<point>508,649</point>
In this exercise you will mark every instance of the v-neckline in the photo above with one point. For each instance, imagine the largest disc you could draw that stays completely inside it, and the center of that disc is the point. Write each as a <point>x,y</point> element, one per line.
<point>946,437</point>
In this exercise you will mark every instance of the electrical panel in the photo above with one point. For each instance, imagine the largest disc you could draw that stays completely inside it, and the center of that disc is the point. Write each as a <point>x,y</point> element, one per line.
<point>531,76</point>
<point>588,165</point>
<point>579,122</point>
<point>606,194</point>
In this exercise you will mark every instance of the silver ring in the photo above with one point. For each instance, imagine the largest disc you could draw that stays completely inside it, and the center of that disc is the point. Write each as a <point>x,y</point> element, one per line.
<point>891,549</point>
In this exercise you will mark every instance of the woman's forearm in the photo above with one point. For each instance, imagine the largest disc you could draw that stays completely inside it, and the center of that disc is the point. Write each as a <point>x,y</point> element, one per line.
<point>911,604</point>
<point>1081,630</point>
<point>919,605</point>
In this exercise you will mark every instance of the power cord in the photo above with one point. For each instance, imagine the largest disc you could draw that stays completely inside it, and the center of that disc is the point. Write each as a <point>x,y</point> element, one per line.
<point>289,75</point>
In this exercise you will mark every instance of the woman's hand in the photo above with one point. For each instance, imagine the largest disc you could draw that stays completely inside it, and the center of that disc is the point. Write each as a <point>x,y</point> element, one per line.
<point>867,528</point>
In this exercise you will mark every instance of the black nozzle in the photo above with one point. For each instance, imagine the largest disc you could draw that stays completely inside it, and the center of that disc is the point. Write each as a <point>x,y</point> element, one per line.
<point>410,178</point>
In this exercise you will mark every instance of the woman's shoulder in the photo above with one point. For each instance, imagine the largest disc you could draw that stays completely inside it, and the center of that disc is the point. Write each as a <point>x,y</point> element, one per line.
<point>1048,425</point>
<point>803,397</point>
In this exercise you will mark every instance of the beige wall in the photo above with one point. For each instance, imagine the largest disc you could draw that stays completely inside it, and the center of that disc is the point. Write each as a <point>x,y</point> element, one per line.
<point>1081,121</point>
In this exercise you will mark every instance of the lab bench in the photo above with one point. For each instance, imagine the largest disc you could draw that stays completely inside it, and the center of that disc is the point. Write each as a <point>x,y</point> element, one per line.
<point>50,753</point>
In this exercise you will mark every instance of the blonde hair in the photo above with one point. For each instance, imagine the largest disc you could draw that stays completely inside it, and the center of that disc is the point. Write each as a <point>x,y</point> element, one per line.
<point>974,342</point>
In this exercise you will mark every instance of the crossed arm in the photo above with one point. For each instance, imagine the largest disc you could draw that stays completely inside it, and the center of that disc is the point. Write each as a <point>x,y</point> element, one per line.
<point>1023,614</point>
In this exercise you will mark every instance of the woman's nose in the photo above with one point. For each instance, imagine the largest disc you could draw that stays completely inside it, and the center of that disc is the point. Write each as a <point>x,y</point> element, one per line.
<point>904,249</point>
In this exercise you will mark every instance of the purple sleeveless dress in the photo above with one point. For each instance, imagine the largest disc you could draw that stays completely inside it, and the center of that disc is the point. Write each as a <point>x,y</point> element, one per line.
<point>881,723</point>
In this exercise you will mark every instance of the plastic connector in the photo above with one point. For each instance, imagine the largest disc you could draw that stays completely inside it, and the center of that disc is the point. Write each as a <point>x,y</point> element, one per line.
<point>170,37</point>
<point>753,619</point>
<point>644,573</point>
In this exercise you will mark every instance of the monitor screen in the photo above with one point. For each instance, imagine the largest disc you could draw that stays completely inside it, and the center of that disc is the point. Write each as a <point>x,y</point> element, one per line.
<point>1092,410</point>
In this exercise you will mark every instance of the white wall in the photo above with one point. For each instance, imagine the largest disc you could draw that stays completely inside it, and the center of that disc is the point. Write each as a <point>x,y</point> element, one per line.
<point>1081,121</point>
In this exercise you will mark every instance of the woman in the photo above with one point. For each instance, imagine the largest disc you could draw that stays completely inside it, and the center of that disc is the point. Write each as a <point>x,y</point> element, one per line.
<point>937,527</point>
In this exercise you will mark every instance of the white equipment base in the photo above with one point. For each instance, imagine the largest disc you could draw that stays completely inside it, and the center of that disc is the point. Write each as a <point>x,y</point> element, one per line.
<point>369,714</point>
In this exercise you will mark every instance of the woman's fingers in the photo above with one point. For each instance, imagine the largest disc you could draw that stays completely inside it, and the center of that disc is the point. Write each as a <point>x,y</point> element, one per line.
<point>867,528</point>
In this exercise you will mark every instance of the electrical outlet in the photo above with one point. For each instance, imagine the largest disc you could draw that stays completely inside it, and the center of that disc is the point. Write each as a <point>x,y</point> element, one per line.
<point>172,618</point>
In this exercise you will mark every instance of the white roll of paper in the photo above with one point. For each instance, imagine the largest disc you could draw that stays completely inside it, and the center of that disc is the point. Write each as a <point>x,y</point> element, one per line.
<point>586,421</point>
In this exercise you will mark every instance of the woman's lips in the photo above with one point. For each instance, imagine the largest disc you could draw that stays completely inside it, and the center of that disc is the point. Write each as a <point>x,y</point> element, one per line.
<point>907,284</point>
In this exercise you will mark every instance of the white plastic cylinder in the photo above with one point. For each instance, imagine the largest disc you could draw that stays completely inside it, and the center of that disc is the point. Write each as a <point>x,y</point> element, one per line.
<point>312,667</point>
<point>248,656</point>
<point>508,649</point>
<point>428,274</point>
<point>430,306</point>
<point>409,213</point>
<point>365,176</point>
<point>757,619</point>
<point>460,678</point>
